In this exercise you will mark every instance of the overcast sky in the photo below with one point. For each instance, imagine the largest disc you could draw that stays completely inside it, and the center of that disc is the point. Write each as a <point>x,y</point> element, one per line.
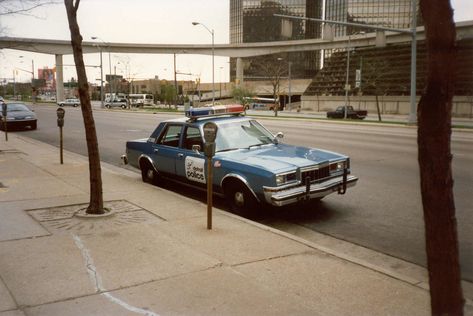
<point>137,21</point>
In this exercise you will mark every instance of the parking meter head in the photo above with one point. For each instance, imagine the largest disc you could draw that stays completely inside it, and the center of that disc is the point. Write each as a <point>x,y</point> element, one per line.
<point>210,132</point>
<point>60,116</point>
<point>4,109</point>
<point>60,113</point>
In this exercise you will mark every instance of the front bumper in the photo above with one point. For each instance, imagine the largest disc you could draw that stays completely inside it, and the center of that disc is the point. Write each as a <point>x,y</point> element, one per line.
<point>284,196</point>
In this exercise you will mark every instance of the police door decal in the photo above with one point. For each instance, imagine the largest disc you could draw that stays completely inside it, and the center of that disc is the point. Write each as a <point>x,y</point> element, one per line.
<point>195,169</point>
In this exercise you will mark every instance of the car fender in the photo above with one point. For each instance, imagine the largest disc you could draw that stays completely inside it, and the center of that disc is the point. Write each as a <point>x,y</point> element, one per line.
<point>144,157</point>
<point>241,179</point>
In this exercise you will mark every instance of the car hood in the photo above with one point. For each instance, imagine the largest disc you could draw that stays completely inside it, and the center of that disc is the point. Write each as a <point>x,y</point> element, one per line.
<point>279,158</point>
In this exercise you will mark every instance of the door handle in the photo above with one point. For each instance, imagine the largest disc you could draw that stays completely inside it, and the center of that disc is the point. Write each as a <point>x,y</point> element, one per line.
<point>179,155</point>
<point>155,150</point>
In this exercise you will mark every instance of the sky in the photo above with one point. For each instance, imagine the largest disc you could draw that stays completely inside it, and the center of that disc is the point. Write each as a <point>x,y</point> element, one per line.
<point>137,21</point>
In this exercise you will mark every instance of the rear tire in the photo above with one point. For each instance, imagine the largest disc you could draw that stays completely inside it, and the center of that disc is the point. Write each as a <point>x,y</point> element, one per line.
<point>148,174</point>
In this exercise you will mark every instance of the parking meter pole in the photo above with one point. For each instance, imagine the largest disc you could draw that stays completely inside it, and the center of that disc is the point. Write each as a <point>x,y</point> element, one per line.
<point>4,114</point>
<point>61,146</point>
<point>210,133</point>
<point>209,193</point>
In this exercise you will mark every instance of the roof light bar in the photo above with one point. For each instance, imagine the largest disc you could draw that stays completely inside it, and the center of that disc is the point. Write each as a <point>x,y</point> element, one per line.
<point>216,110</point>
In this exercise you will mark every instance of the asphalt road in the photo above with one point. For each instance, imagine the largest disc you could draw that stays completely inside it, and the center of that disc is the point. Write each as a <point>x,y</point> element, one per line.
<point>383,212</point>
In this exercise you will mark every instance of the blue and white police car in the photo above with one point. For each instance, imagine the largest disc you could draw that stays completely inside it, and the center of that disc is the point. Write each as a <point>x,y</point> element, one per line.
<point>250,164</point>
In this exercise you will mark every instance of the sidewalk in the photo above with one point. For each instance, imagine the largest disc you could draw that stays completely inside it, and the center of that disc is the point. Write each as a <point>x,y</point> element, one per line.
<point>154,255</point>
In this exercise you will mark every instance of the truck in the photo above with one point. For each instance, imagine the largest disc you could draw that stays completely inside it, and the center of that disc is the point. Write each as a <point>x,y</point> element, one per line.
<point>351,113</point>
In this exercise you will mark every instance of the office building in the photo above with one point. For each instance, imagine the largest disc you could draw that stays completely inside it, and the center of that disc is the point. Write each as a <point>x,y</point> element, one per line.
<point>254,21</point>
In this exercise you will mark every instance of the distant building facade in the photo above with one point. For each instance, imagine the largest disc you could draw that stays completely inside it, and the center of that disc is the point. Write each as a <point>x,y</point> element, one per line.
<point>254,21</point>
<point>383,13</point>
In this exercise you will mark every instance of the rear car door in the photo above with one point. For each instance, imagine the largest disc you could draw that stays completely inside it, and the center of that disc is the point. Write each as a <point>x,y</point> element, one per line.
<point>190,165</point>
<point>166,150</point>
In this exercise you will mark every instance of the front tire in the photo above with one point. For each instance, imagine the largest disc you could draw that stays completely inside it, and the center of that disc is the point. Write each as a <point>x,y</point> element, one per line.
<point>239,198</point>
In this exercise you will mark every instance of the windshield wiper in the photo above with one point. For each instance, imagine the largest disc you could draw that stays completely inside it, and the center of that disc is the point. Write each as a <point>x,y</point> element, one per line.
<point>249,147</point>
<point>228,149</point>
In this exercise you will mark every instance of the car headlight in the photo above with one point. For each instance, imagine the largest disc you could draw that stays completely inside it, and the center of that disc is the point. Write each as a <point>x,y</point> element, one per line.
<point>338,166</point>
<point>29,117</point>
<point>285,178</point>
<point>10,118</point>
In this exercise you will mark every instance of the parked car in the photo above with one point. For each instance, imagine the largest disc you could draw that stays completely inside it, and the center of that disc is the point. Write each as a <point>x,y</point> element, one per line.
<point>251,165</point>
<point>116,103</point>
<point>18,116</point>
<point>71,101</point>
<point>351,113</point>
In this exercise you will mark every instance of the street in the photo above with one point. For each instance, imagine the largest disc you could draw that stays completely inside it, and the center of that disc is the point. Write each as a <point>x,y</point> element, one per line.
<point>383,212</point>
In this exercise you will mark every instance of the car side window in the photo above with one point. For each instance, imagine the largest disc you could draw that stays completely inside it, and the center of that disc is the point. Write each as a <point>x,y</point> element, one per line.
<point>171,136</point>
<point>192,137</point>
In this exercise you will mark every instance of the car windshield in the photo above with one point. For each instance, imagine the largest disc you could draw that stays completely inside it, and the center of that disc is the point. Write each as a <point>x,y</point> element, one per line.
<point>241,134</point>
<point>15,107</point>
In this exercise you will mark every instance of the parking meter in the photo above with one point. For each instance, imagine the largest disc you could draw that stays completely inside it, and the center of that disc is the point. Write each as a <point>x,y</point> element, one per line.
<point>210,133</point>
<point>60,116</point>
<point>60,122</point>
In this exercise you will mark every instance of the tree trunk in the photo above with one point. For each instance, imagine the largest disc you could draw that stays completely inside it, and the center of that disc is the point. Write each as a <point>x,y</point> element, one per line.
<point>96,195</point>
<point>435,159</point>
<point>377,107</point>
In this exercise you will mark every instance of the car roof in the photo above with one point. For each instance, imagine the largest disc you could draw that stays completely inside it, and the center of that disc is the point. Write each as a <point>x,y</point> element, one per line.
<point>216,119</point>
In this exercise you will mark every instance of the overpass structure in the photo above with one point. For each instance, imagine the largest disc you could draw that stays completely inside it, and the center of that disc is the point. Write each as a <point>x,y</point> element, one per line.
<point>239,51</point>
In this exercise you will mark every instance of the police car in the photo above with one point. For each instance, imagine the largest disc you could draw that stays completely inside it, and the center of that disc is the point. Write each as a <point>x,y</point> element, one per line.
<point>250,164</point>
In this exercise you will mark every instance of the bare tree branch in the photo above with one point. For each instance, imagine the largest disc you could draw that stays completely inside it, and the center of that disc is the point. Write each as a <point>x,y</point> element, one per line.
<point>24,7</point>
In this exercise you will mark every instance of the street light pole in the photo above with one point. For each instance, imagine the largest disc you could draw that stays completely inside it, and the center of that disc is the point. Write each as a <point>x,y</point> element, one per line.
<point>347,77</point>
<point>101,79</point>
<point>289,84</point>
<point>33,96</point>
<point>412,113</point>
<point>213,57</point>
<point>101,68</point>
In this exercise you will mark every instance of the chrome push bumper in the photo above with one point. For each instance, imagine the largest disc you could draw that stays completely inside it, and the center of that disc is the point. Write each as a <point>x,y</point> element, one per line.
<point>283,196</point>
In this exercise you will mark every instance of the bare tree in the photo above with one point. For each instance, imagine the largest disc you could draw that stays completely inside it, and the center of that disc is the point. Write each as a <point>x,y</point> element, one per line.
<point>435,160</point>
<point>96,194</point>
<point>374,74</point>
<point>273,70</point>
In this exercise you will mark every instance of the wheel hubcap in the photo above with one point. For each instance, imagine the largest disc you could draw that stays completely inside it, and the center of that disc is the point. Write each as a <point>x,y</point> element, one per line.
<point>239,199</point>
<point>150,174</point>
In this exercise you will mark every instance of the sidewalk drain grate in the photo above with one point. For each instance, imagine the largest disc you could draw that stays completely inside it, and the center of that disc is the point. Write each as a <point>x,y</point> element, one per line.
<point>62,219</point>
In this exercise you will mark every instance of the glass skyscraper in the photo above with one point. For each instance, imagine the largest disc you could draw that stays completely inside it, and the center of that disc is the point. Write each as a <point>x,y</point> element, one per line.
<point>254,21</point>
<point>383,13</point>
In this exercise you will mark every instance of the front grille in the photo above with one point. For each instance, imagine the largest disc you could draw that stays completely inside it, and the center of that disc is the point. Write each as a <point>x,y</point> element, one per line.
<point>315,174</point>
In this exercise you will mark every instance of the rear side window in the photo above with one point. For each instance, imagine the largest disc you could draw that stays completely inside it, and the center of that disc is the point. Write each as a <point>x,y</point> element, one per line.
<point>192,137</point>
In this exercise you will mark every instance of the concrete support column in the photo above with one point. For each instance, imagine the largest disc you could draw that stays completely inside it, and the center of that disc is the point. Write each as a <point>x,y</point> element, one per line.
<point>239,71</point>
<point>59,78</point>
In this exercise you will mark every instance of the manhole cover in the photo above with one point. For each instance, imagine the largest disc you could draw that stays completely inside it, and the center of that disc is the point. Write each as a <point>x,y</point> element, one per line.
<point>62,219</point>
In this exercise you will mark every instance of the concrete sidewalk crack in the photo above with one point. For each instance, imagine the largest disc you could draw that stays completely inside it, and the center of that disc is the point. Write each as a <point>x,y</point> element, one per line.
<point>96,279</point>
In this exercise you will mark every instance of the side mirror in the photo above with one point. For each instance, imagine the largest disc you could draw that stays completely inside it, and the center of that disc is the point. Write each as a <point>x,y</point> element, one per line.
<point>196,149</point>
<point>278,137</point>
